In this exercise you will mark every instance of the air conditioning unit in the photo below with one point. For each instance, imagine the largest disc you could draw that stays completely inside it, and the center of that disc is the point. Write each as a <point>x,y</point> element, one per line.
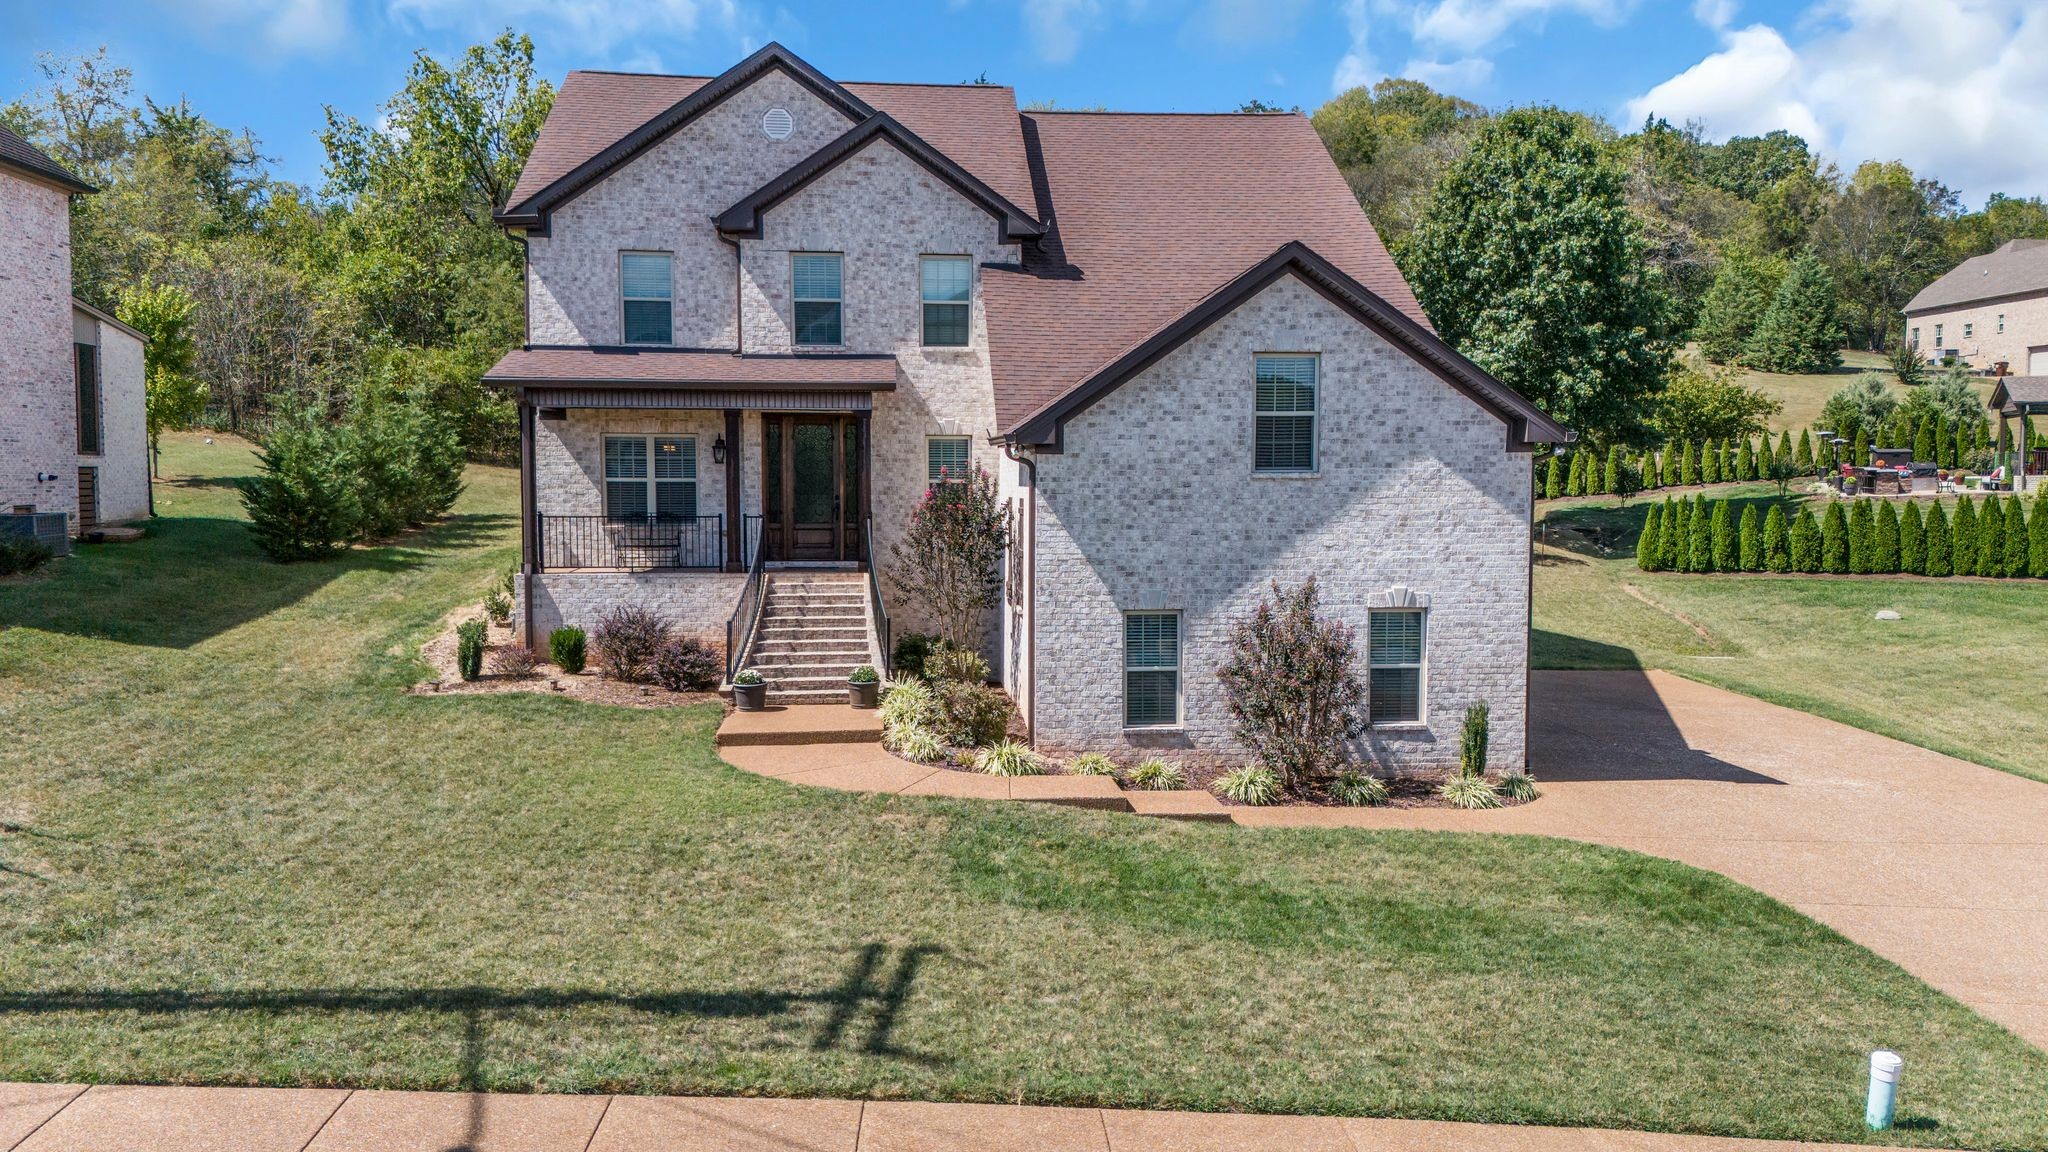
<point>52,528</point>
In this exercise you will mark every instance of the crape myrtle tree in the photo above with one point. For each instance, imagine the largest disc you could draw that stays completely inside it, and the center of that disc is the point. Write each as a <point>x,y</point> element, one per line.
<point>1530,262</point>
<point>1292,687</point>
<point>950,557</point>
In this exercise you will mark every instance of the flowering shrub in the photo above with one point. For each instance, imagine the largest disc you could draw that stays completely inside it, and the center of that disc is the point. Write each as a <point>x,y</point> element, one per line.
<point>1293,696</point>
<point>626,640</point>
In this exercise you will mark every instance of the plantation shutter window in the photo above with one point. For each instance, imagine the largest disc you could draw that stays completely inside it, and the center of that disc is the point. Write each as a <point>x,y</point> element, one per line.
<point>650,476</point>
<point>1151,669</point>
<point>816,280</point>
<point>946,286</point>
<point>946,459</point>
<point>649,295</point>
<point>1285,433</point>
<point>1394,657</point>
<point>86,377</point>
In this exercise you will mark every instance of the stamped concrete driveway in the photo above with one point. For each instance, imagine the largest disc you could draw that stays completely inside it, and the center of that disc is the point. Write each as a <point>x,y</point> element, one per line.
<point>1936,864</point>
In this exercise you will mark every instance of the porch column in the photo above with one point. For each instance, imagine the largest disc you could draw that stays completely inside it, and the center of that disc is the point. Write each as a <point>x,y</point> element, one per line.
<point>735,527</point>
<point>529,535</point>
<point>867,485</point>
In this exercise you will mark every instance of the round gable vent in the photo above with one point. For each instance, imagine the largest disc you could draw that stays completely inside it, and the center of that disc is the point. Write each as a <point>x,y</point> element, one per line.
<point>777,123</point>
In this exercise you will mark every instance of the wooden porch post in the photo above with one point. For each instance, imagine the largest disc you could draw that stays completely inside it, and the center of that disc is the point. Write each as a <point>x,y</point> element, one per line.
<point>529,520</point>
<point>867,484</point>
<point>735,528</point>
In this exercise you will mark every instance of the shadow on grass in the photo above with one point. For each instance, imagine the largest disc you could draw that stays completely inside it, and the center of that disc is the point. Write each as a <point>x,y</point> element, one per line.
<point>192,578</point>
<point>1611,726</point>
<point>1610,531</point>
<point>858,994</point>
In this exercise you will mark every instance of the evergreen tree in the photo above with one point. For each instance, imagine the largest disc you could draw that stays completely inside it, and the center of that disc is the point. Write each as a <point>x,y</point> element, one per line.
<point>305,503</point>
<point>1884,556</point>
<point>1745,460</point>
<point>1834,539</point>
<point>1777,543</point>
<point>1912,540</point>
<point>1689,464</point>
<point>1699,529</point>
<point>1980,434</point>
<point>1862,541</point>
<point>1764,457</point>
<point>1733,306</point>
<point>2037,538</point>
<point>1648,557</point>
<point>1785,446</point>
<point>1991,537</point>
<point>1610,477</point>
<point>1553,478</point>
<point>1945,442</point>
<point>1860,450</point>
<point>1923,440</point>
<point>1574,474</point>
<point>1671,537</point>
<point>1962,534</point>
<point>1749,540</point>
<point>2015,538</point>
<point>1710,463</point>
<point>1727,461</point>
<point>1653,479</point>
<point>1804,460</point>
<point>1727,553</point>
<point>1799,332</point>
<point>1806,542</point>
<point>1940,545</point>
<point>1669,465</point>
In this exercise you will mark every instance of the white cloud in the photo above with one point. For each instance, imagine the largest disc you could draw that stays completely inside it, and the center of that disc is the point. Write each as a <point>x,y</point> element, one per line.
<point>1247,22</point>
<point>1456,76</point>
<point>1055,26</point>
<point>1954,88</point>
<point>1356,68</point>
<point>1471,25</point>
<point>1716,14</point>
<point>595,25</point>
<point>283,27</point>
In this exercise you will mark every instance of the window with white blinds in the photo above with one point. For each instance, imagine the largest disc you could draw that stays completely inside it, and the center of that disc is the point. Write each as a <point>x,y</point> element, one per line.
<point>946,458</point>
<point>650,476</point>
<point>816,280</point>
<point>648,297</point>
<point>1285,433</point>
<point>1151,669</point>
<point>946,287</point>
<point>1394,657</point>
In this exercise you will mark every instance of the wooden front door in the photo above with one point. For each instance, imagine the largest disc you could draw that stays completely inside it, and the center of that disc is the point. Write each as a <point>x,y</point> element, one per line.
<point>88,499</point>
<point>812,487</point>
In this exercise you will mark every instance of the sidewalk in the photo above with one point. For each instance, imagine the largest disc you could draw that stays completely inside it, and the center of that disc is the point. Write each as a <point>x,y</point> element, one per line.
<point>54,1117</point>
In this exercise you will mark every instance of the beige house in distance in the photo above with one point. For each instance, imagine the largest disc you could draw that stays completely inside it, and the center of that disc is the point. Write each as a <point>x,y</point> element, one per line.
<point>1989,310</point>
<point>768,311</point>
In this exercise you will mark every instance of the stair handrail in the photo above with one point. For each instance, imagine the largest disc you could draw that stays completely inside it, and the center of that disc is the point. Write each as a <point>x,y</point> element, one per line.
<point>746,615</point>
<point>880,614</point>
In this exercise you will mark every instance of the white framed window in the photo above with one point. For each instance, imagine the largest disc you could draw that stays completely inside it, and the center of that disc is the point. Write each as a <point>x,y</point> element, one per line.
<point>1151,669</point>
<point>1395,646</point>
<point>1969,331</point>
<point>946,458</point>
<point>2001,322</point>
<point>818,291</point>
<point>945,286</point>
<point>650,477</point>
<point>647,297</point>
<point>1284,433</point>
<point>1915,339</point>
<point>1937,336</point>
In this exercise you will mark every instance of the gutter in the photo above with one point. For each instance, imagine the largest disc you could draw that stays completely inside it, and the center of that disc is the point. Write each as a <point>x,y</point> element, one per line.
<point>1030,465</point>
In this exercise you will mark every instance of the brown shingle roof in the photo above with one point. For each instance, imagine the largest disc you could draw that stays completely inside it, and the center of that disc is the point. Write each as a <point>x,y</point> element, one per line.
<point>690,367</point>
<point>2018,268</point>
<point>1150,215</point>
<point>26,158</point>
<point>974,124</point>
<point>2013,391</point>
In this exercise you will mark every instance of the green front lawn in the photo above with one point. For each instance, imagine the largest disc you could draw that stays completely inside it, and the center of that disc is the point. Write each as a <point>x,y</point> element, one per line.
<point>1959,672</point>
<point>234,852</point>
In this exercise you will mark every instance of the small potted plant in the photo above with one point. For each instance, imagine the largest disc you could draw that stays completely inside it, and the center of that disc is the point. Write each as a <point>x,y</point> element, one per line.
<point>864,687</point>
<point>749,691</point>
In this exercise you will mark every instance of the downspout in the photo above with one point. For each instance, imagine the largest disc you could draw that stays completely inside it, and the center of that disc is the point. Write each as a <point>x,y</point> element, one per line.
<point>1030,466</point>
<point>739,313</point>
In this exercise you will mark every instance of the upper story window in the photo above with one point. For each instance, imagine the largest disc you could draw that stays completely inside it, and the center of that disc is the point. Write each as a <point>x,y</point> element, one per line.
<point>87,380</point>
<point>1394,654</point>
<point>649,294</point>
<point>946,458</point>
<point>650,477</point>
<point>1969,330</point>
<point>1916,336</point>
<point>2001,321</point>
<point>1285,418</point>
<point>946,286</point>
<point>815,277</point>
<point>1937,336</point>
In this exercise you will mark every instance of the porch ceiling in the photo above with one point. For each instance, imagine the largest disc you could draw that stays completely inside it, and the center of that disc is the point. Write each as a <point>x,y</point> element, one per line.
<point>618,369</point>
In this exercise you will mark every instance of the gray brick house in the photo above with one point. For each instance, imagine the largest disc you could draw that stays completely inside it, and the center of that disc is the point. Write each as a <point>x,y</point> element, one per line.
<point>767,310</point>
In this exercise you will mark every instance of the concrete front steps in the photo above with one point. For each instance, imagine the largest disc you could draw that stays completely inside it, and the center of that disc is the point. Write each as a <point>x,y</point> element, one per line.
<point>814,632</point>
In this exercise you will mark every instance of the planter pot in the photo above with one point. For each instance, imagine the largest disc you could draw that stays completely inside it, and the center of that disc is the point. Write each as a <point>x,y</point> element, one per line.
<point>863,695</point>
<point>750,697</point>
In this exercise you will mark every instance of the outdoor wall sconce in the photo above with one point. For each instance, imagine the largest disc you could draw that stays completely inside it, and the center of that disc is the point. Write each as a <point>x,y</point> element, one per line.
<point>718,450</point>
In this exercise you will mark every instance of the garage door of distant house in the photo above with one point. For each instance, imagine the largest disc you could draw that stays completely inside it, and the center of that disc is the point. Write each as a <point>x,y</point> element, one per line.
<point>2037,361</point>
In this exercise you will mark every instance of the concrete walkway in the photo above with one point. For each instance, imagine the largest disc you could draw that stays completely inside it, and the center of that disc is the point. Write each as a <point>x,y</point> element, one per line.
<point>69,1118</point>
<point>1939,865</point>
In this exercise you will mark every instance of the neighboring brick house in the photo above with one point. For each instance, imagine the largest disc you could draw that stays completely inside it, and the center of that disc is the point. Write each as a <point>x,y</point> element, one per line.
<point>767,310</point>
<point>72,439</point>
<point>1988,310</point>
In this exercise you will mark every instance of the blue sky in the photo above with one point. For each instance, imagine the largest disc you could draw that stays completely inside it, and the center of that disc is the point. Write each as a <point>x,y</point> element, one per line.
<point>1926,81</point>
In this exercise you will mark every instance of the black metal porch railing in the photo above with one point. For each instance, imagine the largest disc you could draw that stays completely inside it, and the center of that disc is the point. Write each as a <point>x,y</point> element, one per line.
<point>611,542</point>
<point>746,615</point>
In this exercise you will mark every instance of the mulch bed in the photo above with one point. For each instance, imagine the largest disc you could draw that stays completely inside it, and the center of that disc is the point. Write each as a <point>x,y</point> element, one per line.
<point>589,686</point>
